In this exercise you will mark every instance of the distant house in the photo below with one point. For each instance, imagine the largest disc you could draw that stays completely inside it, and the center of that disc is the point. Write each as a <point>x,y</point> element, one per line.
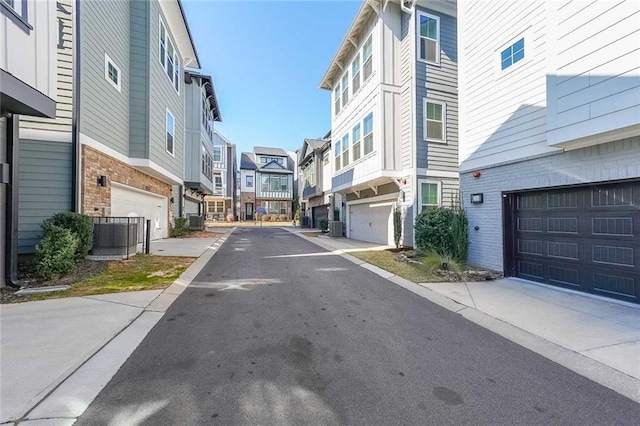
<point>315,180</point>
<point>394,115</point>
<point>266,180</point>
<point>221,203</point>
<point>28,87</point>
<point>201,156</point>
<point>550,142</point>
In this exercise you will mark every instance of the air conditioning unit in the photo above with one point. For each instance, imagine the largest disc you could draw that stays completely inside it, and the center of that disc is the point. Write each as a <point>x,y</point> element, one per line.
<point>335,228</point>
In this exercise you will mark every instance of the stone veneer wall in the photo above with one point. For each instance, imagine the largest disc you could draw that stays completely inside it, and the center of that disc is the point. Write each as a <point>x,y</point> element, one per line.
<point>96,197</point>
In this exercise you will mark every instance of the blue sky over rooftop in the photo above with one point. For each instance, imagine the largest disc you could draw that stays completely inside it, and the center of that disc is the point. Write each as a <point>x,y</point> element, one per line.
<point>267,59</point>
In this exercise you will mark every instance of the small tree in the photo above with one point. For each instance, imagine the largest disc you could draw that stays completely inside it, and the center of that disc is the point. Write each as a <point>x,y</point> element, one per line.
<point>180,227</point>
<point>397,226</point>
<point>324,224</point>
<point>55,255</point>
<point>80,225</point>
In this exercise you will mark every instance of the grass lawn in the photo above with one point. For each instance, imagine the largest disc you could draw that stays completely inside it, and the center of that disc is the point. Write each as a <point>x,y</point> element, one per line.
<point>386,260</point>
<point>141,272</point>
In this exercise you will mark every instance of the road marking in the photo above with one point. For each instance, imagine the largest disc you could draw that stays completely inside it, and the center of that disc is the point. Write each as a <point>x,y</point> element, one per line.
<point>331,269</point>
<point>234,284</point>
<point>324,253</point>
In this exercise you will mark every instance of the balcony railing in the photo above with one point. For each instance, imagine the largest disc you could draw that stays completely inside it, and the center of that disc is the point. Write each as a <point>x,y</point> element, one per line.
<point>286,194</point>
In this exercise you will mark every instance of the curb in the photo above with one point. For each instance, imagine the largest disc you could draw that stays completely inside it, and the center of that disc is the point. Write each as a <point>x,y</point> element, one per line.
<point>72,395</point>
<point>591,369</point>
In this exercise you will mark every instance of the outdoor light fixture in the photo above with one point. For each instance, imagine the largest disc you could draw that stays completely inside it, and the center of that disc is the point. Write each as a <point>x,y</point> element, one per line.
<point>476,174</point>
<point>102,180</point>
<point>477,198</point>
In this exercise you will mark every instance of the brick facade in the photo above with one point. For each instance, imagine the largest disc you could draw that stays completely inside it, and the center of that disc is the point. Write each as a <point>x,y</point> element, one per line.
<point>95,198</point>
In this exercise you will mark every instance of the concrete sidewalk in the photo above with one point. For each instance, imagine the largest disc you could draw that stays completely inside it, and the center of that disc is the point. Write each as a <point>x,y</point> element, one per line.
<point>56,355</point>
<point>595,337</point>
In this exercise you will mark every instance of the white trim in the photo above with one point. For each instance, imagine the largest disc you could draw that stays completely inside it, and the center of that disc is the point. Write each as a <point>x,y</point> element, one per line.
<point>444,120</point>
<point>108,61</point>
<point>438,173</point>
<point>166,130</point>
<point>418,37</point>
<point>386,197</point>
<point>45,135</point>
<point>167,176</point>
<point>419,198</point>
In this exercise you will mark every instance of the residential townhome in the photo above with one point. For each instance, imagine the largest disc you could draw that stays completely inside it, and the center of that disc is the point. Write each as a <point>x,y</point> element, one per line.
<point>46,150</point>
<point>201,111</point>
<point>394,113</point>
<point>266,181</point>
<point>550,142</point>
<point>221,204</point>
<point>316,200</point>
<point>28,87</point>
<point>131,119</point>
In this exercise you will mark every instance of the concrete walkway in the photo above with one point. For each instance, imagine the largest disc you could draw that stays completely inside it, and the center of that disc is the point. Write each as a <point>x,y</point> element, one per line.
<point>595,337</point>
<point>56,355</point>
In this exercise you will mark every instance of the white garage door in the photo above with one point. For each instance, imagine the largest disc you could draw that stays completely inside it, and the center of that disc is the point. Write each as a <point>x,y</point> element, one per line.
<point>190,207</point>
<point>130,202</point>
<point>371,222</point>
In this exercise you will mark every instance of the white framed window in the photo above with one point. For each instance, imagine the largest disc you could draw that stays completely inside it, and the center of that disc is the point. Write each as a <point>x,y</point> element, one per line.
<point>337,152</point>
<point>345,88</point>
<point>217,181</point>
<point>217,154</point>
<point>249,181</point>
<point>336,99</point>
<point>171,131</point>
<point>428,38</point>
<point>434,124</point>
<point>355,73</point>
<point>429,194</point>
<point>215,206</point>
<point>367,58</point>
<point>355,138</point>
<point>368,133</point>
<point>112,73</point>
<point>345,150</point>
<point>17,12</point>
<point>169,58</point>
<point>325,158</point>
<point>512,54</point>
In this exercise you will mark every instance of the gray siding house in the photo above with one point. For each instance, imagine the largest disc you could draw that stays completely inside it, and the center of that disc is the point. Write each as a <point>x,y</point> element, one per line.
<point>201,111</point>
<point>221,204</point>
<point>394,115</point>
<point>315,198</point>
<point>131,119</point>
<point>28,87</point>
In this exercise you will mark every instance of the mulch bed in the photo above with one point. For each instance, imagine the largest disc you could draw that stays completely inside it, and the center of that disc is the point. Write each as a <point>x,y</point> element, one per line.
<point>471,275</point>
<point>202,234</point>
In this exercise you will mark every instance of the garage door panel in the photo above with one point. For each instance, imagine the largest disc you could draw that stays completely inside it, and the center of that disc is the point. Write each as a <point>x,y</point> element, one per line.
<point>129,202</point>
<point>369,223</point>
<point>586,238</point>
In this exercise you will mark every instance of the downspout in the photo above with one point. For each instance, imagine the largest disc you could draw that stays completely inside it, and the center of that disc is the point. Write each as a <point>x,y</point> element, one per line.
<point>76,180</point>
<point>11,262</point>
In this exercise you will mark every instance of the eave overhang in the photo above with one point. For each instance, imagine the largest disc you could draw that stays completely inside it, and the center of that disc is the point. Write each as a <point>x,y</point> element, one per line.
<point>177,22</point>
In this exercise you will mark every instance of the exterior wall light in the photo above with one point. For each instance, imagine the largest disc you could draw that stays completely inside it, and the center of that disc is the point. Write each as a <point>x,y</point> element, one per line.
<point>102,180</point>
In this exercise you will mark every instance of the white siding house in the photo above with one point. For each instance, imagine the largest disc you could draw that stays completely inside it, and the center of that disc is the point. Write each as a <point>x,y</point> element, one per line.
<point>550,141</point>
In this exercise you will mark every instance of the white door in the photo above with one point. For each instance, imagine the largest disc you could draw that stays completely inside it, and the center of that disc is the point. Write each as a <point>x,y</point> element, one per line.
<point>371,222</point>
<point>131,202</point>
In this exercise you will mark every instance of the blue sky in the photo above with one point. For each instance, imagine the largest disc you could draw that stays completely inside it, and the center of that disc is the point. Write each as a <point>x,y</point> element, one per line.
<point>266,59</point>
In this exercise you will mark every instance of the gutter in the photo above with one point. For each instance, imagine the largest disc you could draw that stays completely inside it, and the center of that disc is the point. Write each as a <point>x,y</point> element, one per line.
<point>11,262</point>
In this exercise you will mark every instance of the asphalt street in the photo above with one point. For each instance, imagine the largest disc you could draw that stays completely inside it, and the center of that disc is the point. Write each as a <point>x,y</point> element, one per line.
<point>277,331</point>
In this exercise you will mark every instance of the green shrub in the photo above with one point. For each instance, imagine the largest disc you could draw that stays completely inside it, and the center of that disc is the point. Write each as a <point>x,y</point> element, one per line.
<point>55,255</point>
<point>79,225</point>
<point>180,227</point>
<point>443,231</point>
<point>397,226</point>
<point>324,224</point>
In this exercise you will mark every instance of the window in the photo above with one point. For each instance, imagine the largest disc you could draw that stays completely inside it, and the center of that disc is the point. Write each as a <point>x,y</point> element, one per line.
<point>265,160</point>
<point>367,52</point>
<point>309,173</point>
<point>336,152</point>
<point>169,58</point>
<point>217,154</point>
<point>325,158</point>
<point>217,181</point>
<point>434,125</point>
<point>512,54</point>
<point>355,73</point>
<point>215,206</point>
<point>274,207</point>
<point>207,163</point>
<point>274,183</point>
<point>429,46</point>
<point>16,11</point>
<point>356,142</point>
<point>345,150</point>
<point>336,99</point>
<point>429,195</point>
<point>170,132</point>
<point>249,181</point>
<point>368,133</point>
<point>345,88</point>
<point>111,72</point>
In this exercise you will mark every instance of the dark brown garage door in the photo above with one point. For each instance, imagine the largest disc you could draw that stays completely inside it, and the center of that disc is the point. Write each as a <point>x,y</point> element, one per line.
<point>320,212</point>
<point>585,238</point>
